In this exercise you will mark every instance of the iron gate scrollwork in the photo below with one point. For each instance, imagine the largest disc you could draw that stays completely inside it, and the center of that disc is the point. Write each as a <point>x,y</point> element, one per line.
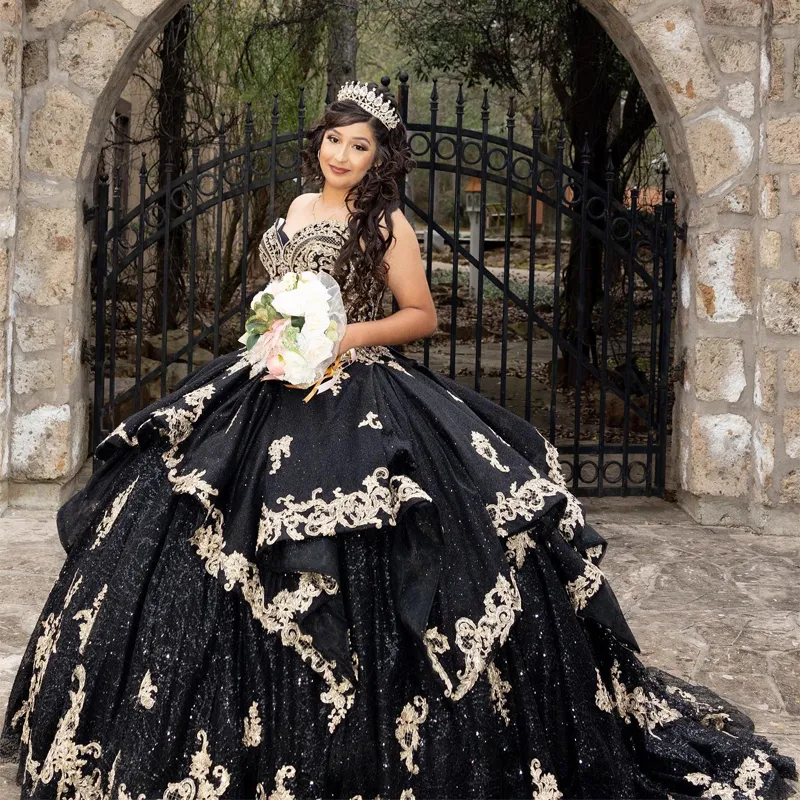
<point>598,387</point>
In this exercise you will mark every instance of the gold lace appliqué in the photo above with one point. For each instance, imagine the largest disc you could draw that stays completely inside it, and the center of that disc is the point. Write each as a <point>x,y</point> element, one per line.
<point>747,779</point>
<point>147,691</point>
<point>648,710</point>
<point>88,616</point>
<point>522,501</point>
<point>484,448</point>
<point>517,547</point>
<point>379,501</point>
<point>435,644</point>
<point>45,646</point>
<point>278,449</point>
<point>252,727</point>
<point>602,698</point>
<point>371,421</point>
<point>407,731</point>
<point>498,689</point>
<point>585,586</point>
<point>544,783</point>
<point>476,639</point>
<point>205,780</point>
<point>66,757</point>
<point>110,517</point>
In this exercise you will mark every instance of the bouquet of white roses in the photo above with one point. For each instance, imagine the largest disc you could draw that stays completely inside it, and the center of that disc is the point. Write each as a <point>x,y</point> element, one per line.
<point>296,324</point>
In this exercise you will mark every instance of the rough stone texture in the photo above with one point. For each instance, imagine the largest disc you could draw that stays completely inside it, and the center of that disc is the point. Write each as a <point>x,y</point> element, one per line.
<point>141,8</point>
<point>721,454</point>
<point>92,47</point>
<point>10,11</point>
<point>719,369</point>
<point>720,148</point>
<point>791,432</point>
<point>4,277</point>
<point>734,55</point>
<point>30,376</point>
<point>791,371</point>
<point>35,333</point>
<point>8,60</point>
<point>770,246</point>
<point>783,140</point>
<point>45,268</point>
<point>40,443</point>
<point>71,358</point>
<point>769,207</point>
<point>790,487</point>
<point>785,12</point>
<point>742,98</point>
<point>57,134</point>
<point>674,44</point>
<point>34,62</point>
<point>725,275</point>
<point>796,72</point>
<point>765,387</point>
<point>794,183</point>
<point>6,140</point>
<point>777,80</point>
<point>739,201</point>
<point>42,13</point>
<point>732,12</point>
<point>796,236</point>
<point>764,455</point>
<point>780,306</point>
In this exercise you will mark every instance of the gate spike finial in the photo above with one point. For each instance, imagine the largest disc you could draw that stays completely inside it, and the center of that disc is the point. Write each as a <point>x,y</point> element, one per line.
<point>537,121</point>
<point>585,150</point>
<point>222,124</point>
<point>460,96</point>
<point>143,167</point>
<point>609,165</point>
<point>485,105</point>
<point>248,115</point>
<point>561,133</point>
<point>385,81</point>
<point>275,107</point>
<point>329,94</point>
<point>301,103</point>
<point>434,91</point>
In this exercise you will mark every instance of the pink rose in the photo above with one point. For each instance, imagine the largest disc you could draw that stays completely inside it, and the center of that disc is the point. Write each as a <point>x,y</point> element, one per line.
<point>266,349</point>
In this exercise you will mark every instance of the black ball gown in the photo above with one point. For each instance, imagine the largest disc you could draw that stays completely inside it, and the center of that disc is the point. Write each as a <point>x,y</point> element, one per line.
<point>387,591</point>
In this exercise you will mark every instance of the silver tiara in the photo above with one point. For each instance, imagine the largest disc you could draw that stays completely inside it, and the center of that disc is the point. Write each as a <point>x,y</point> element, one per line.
<point>369,101</point>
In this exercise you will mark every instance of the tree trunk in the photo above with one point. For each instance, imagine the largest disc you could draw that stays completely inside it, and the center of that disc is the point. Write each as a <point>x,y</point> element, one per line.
<point>342,21</point>
<point>171,151</point>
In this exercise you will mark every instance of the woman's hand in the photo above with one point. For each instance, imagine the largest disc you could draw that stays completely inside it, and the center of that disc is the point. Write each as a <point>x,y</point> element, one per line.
<point>348,340</point>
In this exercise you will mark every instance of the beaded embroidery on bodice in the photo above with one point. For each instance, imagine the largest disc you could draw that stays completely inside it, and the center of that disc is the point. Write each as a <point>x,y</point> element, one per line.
<point>316,247</point>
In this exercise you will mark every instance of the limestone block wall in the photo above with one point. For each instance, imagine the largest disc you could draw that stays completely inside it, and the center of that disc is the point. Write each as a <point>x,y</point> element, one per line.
<point>723,78</point>
<point>70,62</point>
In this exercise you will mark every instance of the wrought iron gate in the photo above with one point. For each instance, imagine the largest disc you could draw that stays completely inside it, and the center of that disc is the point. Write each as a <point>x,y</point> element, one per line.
<point>594,379</point>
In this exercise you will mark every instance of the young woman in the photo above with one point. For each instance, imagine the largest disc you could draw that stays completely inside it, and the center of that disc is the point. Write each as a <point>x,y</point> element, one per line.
<point>385,591</point>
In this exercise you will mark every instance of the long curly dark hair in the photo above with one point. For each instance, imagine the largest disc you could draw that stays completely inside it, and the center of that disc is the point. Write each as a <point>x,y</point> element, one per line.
<point>360,264</point>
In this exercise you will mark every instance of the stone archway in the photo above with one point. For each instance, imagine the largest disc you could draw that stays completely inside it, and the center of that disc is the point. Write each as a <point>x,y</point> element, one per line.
<point>717,73</point>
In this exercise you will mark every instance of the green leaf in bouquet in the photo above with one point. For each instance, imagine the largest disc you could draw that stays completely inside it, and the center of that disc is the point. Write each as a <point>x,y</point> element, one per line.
<point>252,339</point>
<point>255,325</point>
<point>289,337</point>
<point>298,322</point>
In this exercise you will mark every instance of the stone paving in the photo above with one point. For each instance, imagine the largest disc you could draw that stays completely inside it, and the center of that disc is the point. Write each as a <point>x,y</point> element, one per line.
<point>718,606</point>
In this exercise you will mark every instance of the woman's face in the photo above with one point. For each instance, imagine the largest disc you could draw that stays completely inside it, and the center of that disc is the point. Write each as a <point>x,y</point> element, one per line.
<point>346,153</point>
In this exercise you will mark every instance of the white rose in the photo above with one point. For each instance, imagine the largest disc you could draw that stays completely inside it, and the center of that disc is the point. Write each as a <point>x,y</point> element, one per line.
<point>283,284</point>
<point>315,348</point>
<point>308,298</point>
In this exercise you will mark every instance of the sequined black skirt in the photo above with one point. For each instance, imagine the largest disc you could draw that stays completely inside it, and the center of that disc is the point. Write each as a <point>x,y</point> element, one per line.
<point>384,591</point>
